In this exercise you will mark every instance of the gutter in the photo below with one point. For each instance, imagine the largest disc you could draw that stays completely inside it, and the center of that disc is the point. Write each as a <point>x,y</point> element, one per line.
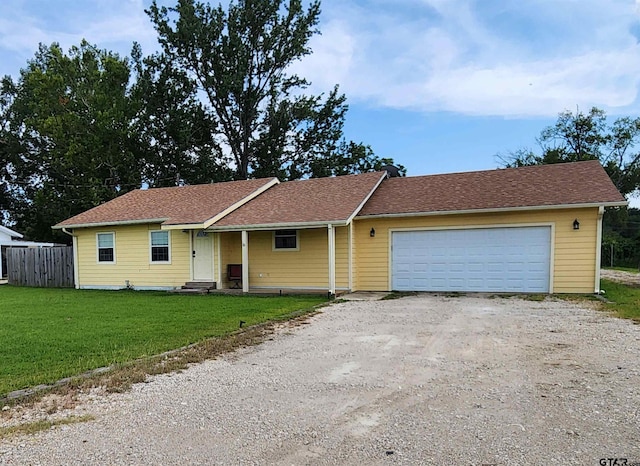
<point>76,280</point>
<point>493,210</point>
<point>110,224</point>
<point>279,226</point>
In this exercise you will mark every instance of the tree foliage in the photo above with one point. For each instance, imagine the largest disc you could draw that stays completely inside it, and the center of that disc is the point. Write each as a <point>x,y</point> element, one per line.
<point>589,136</point>
<point>239,58</point>
<point>68,125</point>
<point>217,103</point>
<point>621,238</point>
<point>176,135</point>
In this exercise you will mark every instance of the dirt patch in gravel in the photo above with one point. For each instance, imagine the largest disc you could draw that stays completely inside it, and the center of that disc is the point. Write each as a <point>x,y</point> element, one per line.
<point>621,276</point>
<point>418,380</point>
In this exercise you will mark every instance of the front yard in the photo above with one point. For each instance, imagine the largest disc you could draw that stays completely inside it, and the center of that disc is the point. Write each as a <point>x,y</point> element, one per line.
<point>624,299</point>
<point>49,334</point>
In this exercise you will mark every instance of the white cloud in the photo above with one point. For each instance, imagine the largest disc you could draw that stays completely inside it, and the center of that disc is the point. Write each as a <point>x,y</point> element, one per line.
<point>441,55</point>
<point>527,58</point>
<point>110,25</point>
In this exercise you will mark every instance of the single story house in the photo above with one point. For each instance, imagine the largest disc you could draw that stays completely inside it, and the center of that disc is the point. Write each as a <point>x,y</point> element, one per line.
<point>13,239</point>
<point>530,229</point>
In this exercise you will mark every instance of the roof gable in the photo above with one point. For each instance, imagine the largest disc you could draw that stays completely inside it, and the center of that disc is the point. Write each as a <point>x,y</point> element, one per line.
<point>197,205</point>
<point>578,183</point>
<point>333,200</point>
<point>9,233</point>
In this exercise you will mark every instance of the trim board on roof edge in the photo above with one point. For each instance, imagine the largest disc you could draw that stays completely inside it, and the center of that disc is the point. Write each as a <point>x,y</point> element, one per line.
<point>241,202</point>
<point>279,226</point>
<point>110,224</point>
<point>503,209</point>
<point>384,176</point>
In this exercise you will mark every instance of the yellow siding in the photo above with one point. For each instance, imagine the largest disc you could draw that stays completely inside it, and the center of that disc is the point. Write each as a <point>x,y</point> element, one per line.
<point>231,252</point>
<point>132,259</point>
<point>308,267</point>
<point>574,253</point>
<point>342,258</point>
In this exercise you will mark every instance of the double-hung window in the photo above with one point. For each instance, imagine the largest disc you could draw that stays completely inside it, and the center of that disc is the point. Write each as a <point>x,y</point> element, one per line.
<point>160,248</point>
<point>106,247</point>
<point>286,240</point>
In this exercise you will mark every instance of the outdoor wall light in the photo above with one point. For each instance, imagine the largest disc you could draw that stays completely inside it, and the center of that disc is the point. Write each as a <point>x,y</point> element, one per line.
<point>576,224</point>
<point>372,233</point>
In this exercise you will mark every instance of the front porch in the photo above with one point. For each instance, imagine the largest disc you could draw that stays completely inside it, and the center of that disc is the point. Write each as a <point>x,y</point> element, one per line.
<point>316,259</point>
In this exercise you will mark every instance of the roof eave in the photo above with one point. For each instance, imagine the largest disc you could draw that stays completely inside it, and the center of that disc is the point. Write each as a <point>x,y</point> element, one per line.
<point>492,210</point>
<point>281,226</point>
<point>32,244</point>
<point>10,232</point>
<point>183,226</point>
<point>60,226</point>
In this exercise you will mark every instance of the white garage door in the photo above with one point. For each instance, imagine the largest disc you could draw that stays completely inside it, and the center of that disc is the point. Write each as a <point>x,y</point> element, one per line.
<point>487,259</point>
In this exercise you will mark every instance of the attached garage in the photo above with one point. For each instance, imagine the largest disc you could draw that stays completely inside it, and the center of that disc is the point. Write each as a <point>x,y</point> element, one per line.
<point>503,259</point>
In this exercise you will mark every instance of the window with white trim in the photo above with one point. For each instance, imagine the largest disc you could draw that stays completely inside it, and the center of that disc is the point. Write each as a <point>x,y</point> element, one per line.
<point>285,240</point>
<point>106,244</point>
<point>160,248</point>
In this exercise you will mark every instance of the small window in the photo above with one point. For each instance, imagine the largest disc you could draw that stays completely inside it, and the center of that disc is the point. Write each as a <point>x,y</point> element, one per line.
<point>285,239</point>
<point>160,246</point>
<point>106,247</point>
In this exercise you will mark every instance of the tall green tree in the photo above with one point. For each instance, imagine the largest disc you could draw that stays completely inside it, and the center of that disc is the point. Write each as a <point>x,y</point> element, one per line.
<point>69,131</point>
<point>176,134</point>
<point>239,58</point>
<point>589,136</point>
<point>6,161</point>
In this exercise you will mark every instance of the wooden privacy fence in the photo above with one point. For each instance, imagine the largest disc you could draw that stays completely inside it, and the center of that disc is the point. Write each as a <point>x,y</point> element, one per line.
<point>44,267</point>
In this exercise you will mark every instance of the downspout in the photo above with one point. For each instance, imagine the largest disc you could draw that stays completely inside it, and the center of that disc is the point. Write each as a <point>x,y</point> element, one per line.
<point>76,279</point>
<point>598,248</point>
<point>350,259</point>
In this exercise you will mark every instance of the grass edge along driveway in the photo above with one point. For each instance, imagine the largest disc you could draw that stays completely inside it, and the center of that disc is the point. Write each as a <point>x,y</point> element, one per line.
<point>48,334</point>
<point>624,299</point>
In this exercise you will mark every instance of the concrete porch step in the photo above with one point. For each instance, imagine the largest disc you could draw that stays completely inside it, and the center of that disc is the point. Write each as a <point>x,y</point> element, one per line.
<point>199,286</point>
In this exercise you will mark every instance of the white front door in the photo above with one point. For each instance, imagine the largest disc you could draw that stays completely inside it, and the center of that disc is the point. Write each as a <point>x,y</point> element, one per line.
<point>203,256</point>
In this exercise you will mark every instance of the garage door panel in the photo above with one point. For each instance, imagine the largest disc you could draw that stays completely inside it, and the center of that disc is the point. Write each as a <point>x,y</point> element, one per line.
<point>488,259</point>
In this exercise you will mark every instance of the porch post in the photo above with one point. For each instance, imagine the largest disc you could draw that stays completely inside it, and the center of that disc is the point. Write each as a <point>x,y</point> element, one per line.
<point>218,259</point>
<point>192,251</point>
<point>245,261</point>
<point>331,231</point>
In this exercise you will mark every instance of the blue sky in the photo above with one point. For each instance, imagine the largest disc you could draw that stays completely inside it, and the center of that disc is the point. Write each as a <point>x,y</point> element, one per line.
<point>439,85</point>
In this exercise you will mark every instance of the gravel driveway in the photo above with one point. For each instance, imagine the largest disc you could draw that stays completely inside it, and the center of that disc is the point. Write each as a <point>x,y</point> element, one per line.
<point>419,380</point>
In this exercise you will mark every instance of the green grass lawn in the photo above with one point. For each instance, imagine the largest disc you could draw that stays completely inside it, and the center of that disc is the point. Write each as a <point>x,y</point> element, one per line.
<point>48,334</point>
<point>625,300</point>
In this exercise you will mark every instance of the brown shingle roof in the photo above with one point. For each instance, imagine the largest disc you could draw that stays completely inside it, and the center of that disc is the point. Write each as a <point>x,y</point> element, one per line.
<point>537,186</point>
<point>173,206</point>
<point>318,200</point>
